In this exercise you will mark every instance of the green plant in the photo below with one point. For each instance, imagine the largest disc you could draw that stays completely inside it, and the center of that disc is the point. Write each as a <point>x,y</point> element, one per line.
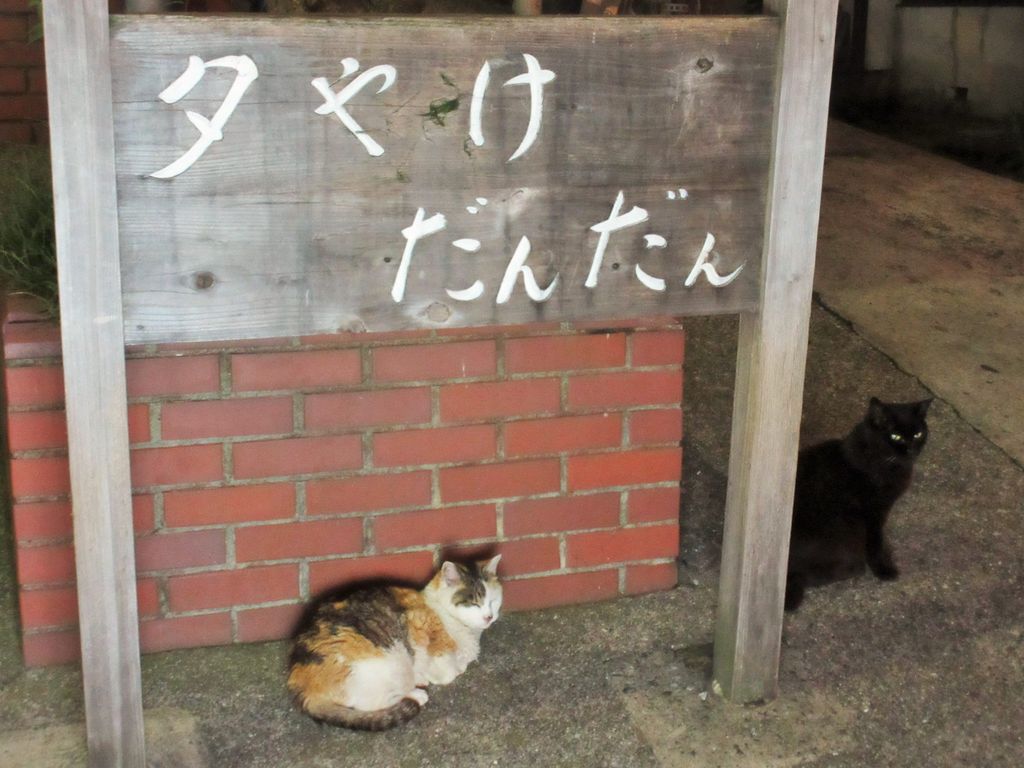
<point>35,32</point>
<point>28,254</point>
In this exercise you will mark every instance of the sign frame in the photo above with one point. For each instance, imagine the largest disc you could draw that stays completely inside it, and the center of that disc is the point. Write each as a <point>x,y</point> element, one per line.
<point>767,401</point>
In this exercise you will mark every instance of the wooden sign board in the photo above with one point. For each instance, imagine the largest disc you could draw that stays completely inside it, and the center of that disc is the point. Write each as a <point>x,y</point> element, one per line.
<point>558,171</point>
<point>255,177</point>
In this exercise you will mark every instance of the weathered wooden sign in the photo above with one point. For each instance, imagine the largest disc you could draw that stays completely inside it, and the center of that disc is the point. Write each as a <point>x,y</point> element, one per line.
<point>236,178</point>
<point>278,177</point>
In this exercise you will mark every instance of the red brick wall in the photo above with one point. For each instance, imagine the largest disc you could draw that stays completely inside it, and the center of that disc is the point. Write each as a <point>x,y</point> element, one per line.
<point>265,473</point>
<point>22,78</point>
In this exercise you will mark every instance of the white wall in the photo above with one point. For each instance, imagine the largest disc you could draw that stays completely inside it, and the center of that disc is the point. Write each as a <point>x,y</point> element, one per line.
<point>978,48</point>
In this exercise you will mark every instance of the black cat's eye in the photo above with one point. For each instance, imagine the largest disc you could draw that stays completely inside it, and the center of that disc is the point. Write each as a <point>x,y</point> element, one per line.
<point>918,435</point>
<point>896,438</point>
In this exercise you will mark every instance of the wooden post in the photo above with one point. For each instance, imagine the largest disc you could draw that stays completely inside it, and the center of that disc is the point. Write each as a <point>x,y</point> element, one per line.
<point>85,203</point>
<point>770,365</point>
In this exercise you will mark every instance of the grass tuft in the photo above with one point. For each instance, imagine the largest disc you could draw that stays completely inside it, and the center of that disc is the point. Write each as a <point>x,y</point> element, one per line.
<point>28,255</point>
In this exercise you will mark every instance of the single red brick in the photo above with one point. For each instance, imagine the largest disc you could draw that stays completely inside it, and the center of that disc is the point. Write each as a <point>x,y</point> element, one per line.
<point>430,362</point>
<point>224,589</point>
<point>54,607</point>
<point>30,430</point>
<point>349,410</point>
<point>653,505</point>
<point>300,539</point>
<point>18,133</point>
<point>607,470</point>
<point>181,549</point>
<point>48,520</point>
<point>657,426</point>
<point>30,339</point>
<point>35,385</point>
<point>297,456</point>
<point>651,578</point>
<point>22,308</point>
<point>13,28</point>
<point>234,504</point>
<point>182,375</point>
<point>46,565</point>
<point>529,556</point>
<point>496,481</point>
<point>14,6</point>
<point>44,649</point>
<point>658,348</point>
<point>275,622</point>
<point>567,433</point>
<point>435,526</point>
<point>185,632</point>
<point>138,423</point>
<point>367,493</point>
<point>623,545</point>
<point>12,80</point>
<point>565,353</point>
<point>409,567</point>
<point>220,418</point>
<point>22,55</point>
<point>562,589</point>
<point>28,106</point>
<point>37,80</point>
<point>295,370</point>
<point>45,476</point>
<point>434,446</point>
<point>42,520</point>
<point>573,513</point>
<point>143,517</point>
<point>469,402</point>
<point>176,465</point>
<point>608,390</point>
<point>147,593</point>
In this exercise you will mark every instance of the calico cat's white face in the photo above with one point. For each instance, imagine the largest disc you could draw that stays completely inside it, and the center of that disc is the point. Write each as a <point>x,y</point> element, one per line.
<point>474,593</point>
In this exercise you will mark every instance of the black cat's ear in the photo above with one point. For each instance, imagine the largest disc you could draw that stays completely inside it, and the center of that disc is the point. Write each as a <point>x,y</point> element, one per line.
<point>876,412</point>
<point>922,407</point>
<point>450,574</point>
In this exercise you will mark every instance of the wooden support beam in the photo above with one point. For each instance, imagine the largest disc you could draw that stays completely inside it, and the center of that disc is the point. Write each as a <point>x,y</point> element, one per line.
<point>770,365</point>
<point>85,203</point>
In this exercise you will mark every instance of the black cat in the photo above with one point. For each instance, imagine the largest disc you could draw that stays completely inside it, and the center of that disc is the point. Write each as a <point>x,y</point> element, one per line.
<point>844,491</point>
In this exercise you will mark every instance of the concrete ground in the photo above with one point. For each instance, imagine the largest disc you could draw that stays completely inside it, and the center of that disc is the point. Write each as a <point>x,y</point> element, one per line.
<point>926,671</point>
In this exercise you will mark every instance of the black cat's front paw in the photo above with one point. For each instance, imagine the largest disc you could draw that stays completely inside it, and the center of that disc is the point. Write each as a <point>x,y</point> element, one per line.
<point>886,570</point>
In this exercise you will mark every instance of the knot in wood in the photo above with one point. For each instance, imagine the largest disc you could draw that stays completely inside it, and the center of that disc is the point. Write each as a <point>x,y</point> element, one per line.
<point>202,281</point>
<point>704,64</point>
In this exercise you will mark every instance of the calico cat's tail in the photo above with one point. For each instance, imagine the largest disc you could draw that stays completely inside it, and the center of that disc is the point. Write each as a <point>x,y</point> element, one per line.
<point>360,720</point>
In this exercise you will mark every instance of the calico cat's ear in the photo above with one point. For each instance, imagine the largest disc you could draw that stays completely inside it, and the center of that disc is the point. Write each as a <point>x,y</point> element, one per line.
<point>490,567</point>
<point>922,407</point>
<point>450,574</point>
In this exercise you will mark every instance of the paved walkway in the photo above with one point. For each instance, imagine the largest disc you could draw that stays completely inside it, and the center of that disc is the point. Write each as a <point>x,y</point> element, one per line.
<point>926,258</point>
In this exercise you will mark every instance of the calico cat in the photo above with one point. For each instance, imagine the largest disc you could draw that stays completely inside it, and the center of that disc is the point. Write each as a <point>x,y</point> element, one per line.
<point>844,492</point>
<point>364,661</point>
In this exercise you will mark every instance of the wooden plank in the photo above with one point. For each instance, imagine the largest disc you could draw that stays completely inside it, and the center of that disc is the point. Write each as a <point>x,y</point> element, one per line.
<point>82,141</point>
<point>289,226</point>
<point>770,367</point>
